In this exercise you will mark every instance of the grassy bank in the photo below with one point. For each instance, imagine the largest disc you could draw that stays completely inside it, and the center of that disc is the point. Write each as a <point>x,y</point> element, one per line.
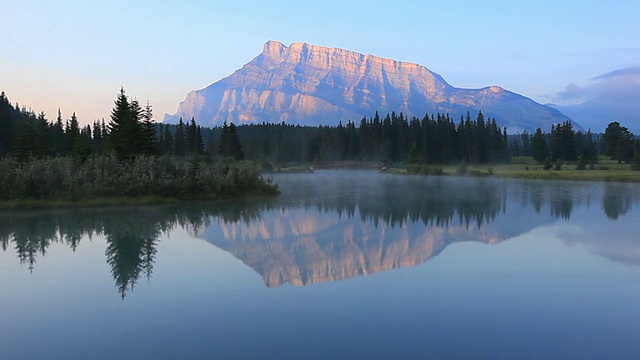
<point>526,168</point>
<point>105,180</point>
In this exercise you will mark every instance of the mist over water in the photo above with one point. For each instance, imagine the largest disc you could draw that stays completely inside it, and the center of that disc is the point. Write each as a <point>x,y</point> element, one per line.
<point>342,264</point>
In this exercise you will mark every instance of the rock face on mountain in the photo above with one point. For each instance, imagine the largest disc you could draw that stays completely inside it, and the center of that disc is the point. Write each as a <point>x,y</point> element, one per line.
<point>310,85</point>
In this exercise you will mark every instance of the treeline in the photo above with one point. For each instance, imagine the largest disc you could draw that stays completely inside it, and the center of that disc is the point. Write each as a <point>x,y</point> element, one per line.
<point>394,138</point>
<point>130,132</point>
<point>564,144</point>
<point>436,138</point>
<point>130,156</point>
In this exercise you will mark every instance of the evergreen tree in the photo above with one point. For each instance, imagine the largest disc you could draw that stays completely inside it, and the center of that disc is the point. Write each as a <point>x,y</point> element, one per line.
<point>229,144</point>
<point>167,141</point>
<point>98,137</point>
<point>22,142</point>
<point>180,146</point>
<point>589,151</point>
<point>539,147</point>
<point>619,142</point>
<point>149,138</point>
<point>124,129</point>
<point>199,141</point>
<point>635,164</point>
<point>236,147</point>
<point>58,140</point>
<point>42,138</point>
<point>414,155</point>
<point>72,136</point>
<point>6,124</point>
<point>190,136</point>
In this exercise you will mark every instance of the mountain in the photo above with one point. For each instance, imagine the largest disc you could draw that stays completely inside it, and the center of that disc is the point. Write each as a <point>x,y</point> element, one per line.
<point>311,85</point>
<point>327,226</point>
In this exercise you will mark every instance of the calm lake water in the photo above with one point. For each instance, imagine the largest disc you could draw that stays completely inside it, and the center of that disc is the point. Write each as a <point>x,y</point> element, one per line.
<point>343,264</point>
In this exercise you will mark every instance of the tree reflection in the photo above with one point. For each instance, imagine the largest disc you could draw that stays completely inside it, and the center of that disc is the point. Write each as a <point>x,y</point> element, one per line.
<point>423,215</point>
<point>616,201</point>
<point>131,250</point>
<point>131,233</point>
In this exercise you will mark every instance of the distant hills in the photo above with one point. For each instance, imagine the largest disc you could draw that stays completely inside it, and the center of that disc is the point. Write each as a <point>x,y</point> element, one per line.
<point>613,96</point>
<point>312,85</point>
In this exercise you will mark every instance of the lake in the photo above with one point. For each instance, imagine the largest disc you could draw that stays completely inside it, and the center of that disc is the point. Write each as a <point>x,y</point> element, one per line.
<point>343,264</point>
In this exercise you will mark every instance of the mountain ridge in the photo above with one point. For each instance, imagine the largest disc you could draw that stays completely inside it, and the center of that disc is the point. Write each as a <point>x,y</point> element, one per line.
<point>315,85</point>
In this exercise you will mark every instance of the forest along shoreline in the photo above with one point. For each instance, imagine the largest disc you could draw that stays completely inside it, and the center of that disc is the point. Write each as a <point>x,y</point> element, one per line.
<point>57,164</point>
<point>133,160</point>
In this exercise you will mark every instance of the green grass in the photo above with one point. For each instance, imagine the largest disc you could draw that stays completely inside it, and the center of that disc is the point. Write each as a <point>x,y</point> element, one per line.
<point>526,168</point>
<point>291,169</point>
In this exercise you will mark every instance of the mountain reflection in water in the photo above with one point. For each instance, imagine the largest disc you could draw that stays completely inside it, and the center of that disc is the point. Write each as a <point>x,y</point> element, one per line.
<point>326,226</point>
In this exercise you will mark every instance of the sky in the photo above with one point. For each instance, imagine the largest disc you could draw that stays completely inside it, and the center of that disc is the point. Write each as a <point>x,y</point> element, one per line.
<point>75,55</point>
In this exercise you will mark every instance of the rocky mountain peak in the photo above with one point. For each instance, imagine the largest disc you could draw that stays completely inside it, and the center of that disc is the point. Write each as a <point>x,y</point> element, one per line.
<point>273,49</point>
<point>310,85</point>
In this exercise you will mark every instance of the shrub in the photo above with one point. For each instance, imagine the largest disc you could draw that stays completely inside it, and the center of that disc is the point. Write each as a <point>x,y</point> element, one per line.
<point>414,169</point>
<point>462,169</point>
<point>107,176</point>
<point>557,166</point>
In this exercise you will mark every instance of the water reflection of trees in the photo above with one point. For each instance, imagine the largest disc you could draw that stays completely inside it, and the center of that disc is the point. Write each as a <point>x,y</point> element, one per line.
<point>430,201</point>
<point>617,200</point>
<point>131,233</point>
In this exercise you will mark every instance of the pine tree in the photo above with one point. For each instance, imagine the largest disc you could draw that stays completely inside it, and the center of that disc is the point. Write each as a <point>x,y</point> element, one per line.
<point>149,138</point>
<point>124,128</point>
<point>42,139</point>
<point>167,141</point>
<point>180,146</point>
<point>58,143</point>
<point>6,124</point>
<point>72,136</point>
<point>539,147</point>
<point>229,144</point>
<point>199,141</point>
<point>97,138</point>
<point>619,142</point>
<point>635,163</point>
<point>236,147</point>
<point>24,134</point>
<point>190,135</point>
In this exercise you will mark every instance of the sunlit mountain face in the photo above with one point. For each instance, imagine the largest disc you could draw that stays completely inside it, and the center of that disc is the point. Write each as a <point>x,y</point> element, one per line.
<point>314,85</point>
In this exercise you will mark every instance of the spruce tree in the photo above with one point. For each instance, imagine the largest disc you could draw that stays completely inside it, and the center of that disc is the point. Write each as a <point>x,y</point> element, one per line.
<point>236,147</point>
<point>6,124</point>
<point>180,147</point>
<point>619,142</point>
<point>72,136</point>
<point>229,144</point>
<point>539,147</point>
<point>124,129</point>
<point>167,141</point>
<point>149,138</point>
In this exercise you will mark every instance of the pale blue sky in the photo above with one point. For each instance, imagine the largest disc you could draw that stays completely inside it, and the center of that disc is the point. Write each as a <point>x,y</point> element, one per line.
<point>76,54</point>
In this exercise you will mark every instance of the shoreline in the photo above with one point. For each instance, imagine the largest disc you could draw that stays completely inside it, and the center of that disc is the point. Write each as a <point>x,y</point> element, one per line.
<point>108,202</point>
<point>511,171</point>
